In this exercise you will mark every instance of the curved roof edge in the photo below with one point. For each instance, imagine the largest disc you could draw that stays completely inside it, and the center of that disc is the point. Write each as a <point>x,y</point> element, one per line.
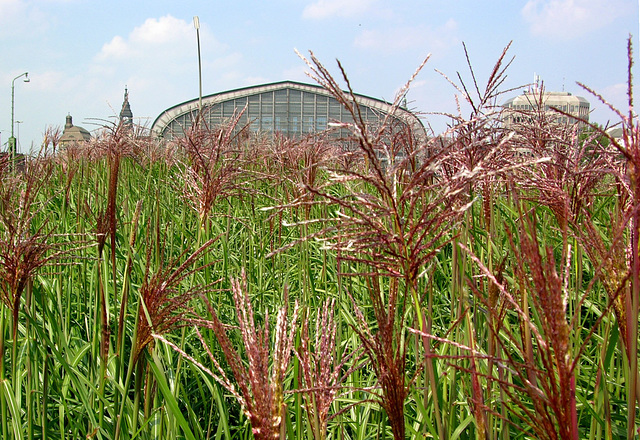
<point>192,105</point>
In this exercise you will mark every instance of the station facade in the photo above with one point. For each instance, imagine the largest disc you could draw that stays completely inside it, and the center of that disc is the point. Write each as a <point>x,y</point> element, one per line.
<point>290,108</point>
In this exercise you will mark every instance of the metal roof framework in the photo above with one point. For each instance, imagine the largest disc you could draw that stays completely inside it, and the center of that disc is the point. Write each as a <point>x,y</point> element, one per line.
<point>191,106</point>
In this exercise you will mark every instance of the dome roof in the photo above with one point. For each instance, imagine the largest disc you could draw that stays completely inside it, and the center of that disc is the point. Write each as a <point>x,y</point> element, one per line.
<point>73,133</point>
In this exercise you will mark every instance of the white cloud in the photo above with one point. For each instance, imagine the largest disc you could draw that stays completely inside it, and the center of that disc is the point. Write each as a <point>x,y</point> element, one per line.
<point>162,31</point>
<point>160,51</point>
<point>323,9</point>
<point>570,19</point>
<point>162,36</point>
<point>116,48</point>
<point>158,61</point>
<point>21,19</point>
<point>408,37</point>
<point>8,7</point>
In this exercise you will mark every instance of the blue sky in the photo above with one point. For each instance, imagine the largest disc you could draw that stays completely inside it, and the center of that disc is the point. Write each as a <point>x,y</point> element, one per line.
<point>80,54</point>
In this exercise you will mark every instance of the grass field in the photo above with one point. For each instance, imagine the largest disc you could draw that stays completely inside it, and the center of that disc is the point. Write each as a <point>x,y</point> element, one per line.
<point>228,285</point>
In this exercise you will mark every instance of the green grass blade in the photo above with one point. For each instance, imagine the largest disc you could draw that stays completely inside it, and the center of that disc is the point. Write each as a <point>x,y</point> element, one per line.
<point>171,402</point>
<point>14,410</point>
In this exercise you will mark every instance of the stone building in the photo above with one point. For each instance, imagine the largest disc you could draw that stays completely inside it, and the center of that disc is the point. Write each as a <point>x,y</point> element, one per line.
<point>523,108</point>
<point>73,133</point>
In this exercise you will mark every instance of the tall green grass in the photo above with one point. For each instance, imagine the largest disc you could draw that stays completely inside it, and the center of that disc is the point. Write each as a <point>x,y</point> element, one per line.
<point>482,285</point>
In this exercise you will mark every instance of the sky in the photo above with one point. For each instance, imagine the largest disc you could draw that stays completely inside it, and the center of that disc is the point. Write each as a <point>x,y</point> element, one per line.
<point>81,54</point>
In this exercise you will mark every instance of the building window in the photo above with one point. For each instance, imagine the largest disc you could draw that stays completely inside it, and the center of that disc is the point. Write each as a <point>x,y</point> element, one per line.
<point>267,123</point>
<point>307,124</point>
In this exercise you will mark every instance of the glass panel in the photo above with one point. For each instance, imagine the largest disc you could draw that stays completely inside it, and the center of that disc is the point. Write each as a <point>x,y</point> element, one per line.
<point>308,97</point>
<point>321,107</point>
<point>307,125</point>
<point>295,110</point>
<point>369,116</point>
<point>281,124</point>
<point>254,125</point>
<point>308,110</point>
<point>267,123</point>
<point>254,109</point>
<point>335,110</point>
<point>228,109</point>
<point>321,123</point>
<point>281,108</point>
<point>281,95</point>
<point>215,114</point>
<point>240,104</point>
<point>295,96</point>
<point>267,105</point>
<point>294,124</point>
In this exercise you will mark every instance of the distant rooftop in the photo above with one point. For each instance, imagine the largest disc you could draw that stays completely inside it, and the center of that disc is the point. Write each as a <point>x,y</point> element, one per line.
<point>73,133</point>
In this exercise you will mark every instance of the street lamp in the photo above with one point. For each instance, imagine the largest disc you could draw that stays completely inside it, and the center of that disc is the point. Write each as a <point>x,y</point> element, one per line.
<point>18,133</point>
<point>12,139</point>
<point>196,24</point>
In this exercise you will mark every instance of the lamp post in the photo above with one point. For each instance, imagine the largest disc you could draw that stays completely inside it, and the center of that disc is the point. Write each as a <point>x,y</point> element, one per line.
<point>196,24</point>
<point>18,133</point>
<point>12,139</point>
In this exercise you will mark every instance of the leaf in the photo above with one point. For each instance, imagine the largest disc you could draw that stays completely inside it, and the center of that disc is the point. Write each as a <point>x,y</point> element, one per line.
<point>170,399</point>
<point>13,409</point>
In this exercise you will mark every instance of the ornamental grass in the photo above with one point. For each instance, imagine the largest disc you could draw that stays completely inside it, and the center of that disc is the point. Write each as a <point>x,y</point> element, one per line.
<point>478,284</point>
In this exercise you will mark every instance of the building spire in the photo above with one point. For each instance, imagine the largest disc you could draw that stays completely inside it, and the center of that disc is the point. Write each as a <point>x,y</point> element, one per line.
<point>126,116</point>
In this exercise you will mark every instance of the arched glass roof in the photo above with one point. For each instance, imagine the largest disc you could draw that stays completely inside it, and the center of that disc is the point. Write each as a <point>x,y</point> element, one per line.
<point>290,108</point>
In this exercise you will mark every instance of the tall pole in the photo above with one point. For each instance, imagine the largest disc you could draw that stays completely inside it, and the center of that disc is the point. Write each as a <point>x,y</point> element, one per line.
<point>12,139</point>
<point>18,133</point>
<point>196,24</point>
